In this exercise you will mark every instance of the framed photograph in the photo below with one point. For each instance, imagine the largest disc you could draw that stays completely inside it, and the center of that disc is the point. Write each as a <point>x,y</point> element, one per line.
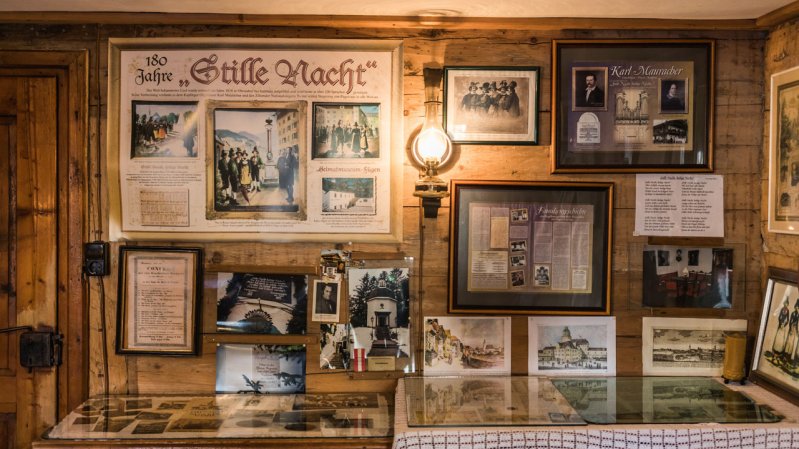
<point>334,353</point>
<point>783,179</point>
<point>247,368</point>
<point>563,266</point>
<point>774,363</point>
<point>466,345</point>
<point>379,310</point>
<point>158,307</point>
<point>346,130</point>
<point>250,139</point>
<point>681,276</point>
<point>571,346</point>
<point>632,106</point>
<point>326,303</point>
<point>685,346</point>
<point>260,303</point>
<point>491,105</point>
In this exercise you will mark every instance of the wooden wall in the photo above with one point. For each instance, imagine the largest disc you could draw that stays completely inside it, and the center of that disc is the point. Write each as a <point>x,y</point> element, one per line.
<point>738,144</point>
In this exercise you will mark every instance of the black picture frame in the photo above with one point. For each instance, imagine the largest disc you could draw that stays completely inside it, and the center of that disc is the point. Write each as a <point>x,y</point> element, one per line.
<point>482,276</point>
<point>492,105</point>
<point>770,365</point>
<point>628,120</point>
<point>147,276</point>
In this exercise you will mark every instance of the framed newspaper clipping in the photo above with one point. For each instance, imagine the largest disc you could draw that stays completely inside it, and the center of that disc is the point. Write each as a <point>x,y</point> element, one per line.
<point>158,307</point>
<point>530,247</point>
<point>255,139</point>
<point>632,106</point>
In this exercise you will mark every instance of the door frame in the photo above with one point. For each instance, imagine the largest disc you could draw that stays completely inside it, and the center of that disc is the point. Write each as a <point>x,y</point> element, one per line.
<point>71,71</point>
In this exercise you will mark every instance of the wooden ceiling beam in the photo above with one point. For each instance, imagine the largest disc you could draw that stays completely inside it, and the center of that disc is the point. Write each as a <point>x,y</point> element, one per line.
<point>779,15</point>
<point>390,22</point>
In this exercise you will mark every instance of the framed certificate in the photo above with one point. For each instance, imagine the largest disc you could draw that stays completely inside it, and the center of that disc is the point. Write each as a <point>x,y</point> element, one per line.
<point>158,307</point>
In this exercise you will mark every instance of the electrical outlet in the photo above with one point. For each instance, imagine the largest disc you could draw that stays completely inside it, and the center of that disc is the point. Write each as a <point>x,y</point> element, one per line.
<point>95,259</point>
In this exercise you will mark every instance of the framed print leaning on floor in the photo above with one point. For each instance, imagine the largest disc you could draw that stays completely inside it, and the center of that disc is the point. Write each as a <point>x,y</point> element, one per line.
<point>530,247</point>
<point>632,106</point>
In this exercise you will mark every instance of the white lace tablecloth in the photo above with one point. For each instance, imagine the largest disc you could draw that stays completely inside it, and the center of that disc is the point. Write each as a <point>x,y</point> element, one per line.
<point>781,435</point>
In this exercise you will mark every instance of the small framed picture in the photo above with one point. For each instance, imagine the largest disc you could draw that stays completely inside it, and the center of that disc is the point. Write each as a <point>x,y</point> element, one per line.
<point>589,88</point>
<point>326,301</point>
<point>774,363</point>
<point>158,310</point>
<point>491,104</point>
<point>568,346</point>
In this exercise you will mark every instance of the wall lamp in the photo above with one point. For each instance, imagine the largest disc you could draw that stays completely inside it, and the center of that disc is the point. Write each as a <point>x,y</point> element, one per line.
<point>431,149</point>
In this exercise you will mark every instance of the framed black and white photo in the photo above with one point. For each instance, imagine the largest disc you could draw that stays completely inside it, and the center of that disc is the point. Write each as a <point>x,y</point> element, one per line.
<point>568,346</point>
<point>346,130</point>
<point>248,368</point>
<point>685,346</point>
<point>260,303</point>
<point>530,247</point>
<point>774,361</point>
<point>158,309</point>
<point>326,304</point>
<point>632,106</point>
<point>485,105</point>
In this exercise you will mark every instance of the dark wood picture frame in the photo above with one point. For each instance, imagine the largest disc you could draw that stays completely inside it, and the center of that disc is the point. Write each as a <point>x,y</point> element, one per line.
<point>161,266</point>
<point>768,359</point>
<point>489,274</point>
<point>475,115</point>
<point>630,120</point>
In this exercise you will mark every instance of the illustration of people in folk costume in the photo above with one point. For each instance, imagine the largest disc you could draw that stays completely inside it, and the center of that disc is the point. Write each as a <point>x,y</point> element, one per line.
<point>780,337</point>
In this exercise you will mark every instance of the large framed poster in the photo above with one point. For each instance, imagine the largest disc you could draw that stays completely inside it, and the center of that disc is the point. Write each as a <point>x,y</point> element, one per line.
<point>632,106</point>
<point>243,139</point>
<point>530,247</point>
<point>783,176</point>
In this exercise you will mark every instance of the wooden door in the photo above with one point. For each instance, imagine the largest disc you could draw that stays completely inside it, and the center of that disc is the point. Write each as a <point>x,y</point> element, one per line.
<point>28,250</point>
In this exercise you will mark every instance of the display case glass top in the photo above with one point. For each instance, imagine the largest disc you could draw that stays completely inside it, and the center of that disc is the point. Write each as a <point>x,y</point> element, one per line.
<point>249,416</point>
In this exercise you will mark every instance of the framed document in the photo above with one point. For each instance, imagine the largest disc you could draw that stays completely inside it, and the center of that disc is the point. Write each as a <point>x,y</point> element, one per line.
<point>783,177</point>
<point>530,247</point>
<point>158,308</point>
<point>632,106</point>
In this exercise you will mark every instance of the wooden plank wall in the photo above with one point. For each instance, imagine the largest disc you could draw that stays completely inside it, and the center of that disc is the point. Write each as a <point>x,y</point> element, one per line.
<point>738,144</point>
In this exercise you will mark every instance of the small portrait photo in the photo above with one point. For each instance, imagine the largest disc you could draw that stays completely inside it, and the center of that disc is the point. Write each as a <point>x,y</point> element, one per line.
<point>326,301</point>
<point>663,258</point>
<point>348,196</point>
<point>344,130</point>
<point>673,96</point>
<point>518,245</point>
<point>670,132</point>
<point>518,261</point>
<point>541,277</point>
<point>589,88</point>
<point>163,129</point>
<point>518,215</point>
<point>517,278</point>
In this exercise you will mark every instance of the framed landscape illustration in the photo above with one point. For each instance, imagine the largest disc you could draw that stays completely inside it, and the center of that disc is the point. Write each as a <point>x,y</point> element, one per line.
<point>776,350</point>
<point>530,247</point>
<point>632,106</point>
<point>571,346</point>
<point>255,139</point>
<point>491,104</point>
<point>783,179</point>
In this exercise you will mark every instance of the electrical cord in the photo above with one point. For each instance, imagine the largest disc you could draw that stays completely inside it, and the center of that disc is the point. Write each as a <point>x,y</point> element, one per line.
<point>6,330</point>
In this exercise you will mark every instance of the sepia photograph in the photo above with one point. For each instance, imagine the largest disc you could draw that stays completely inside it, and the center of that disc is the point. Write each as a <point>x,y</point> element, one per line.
<point>696,277</point>
<point>345,130</point>
<point>670,132</point>
<point>258,160</point>
<point>260,303</point>
<point>379,306</point>
<point>686,346</point>
<point>491,104</point>
<point>150,428</point>
<point>259,369</point>
<point>164,129</point>
<point>466,345</point>
<point>348,196</point>
<point>570,346</point>
<point>589,88</point>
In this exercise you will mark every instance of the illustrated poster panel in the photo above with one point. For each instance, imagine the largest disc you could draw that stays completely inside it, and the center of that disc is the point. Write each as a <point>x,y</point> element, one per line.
<point>631,105</point>
<point>221,140</point>
<point>530,247</point>
<point>778,354</point>
<point>261,303</point>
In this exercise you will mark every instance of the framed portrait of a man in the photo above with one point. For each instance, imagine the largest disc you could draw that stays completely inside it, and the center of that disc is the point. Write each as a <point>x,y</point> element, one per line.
<point>589,87</point>
<point>326,301</point>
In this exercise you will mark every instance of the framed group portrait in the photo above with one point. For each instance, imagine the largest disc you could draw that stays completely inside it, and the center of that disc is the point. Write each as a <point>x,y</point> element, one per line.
<point>632,106</point>
<point>485,105</point>
<point>530,247</point>
<point>783,179</point>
